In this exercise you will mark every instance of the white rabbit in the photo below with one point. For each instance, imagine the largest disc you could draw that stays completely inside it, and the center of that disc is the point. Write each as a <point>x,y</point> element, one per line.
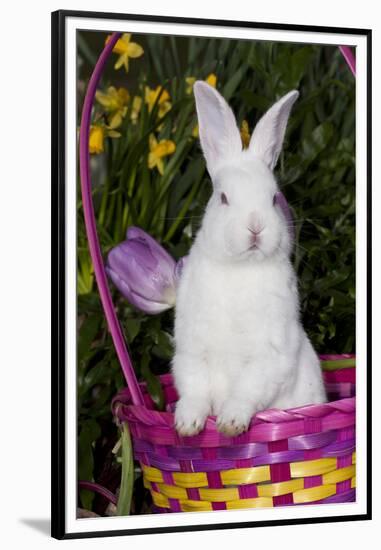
<point>239,343</point>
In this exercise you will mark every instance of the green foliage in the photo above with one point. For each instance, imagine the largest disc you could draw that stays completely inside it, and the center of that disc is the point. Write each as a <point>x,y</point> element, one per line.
<point>127,480</point>
<point>316,172</point>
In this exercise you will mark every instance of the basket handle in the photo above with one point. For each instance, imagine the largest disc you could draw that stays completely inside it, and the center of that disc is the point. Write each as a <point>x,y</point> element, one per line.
<point>88,209</point>
<point>91,230</point>
<point>349,58</point>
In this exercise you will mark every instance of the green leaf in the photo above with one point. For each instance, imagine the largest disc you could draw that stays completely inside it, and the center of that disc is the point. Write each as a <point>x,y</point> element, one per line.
<point>233,83</point>
<point>318,141</point>
<point>87,334</point>
<point>127,481</point>
<point>90,431</point>
<point>133,328</point>
<point>153,383</point>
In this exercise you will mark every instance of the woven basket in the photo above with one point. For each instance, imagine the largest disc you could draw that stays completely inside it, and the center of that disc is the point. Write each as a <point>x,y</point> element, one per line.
<point>299,456</point>
<point>287,457</point>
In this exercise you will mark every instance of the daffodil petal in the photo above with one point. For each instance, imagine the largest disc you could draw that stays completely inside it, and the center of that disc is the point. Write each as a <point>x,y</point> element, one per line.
<point>211,80</point>
<point>113,134</point>
<point>134,50</point>
<point>160,166</point>
<point>164,95</point>
<point>119,62</point>
<point>164,108</point>
<point>116,120</point>
<point>152,142</point>
<point>96,140</point>
<point>151,160</point>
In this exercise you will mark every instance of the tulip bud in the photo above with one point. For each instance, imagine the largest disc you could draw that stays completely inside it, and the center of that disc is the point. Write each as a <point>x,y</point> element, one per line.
<point>143,272</point>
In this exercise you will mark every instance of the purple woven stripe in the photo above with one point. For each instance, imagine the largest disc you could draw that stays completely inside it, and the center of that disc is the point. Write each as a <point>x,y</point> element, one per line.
<point>341,448</point>
<point>348,496</point>
<point>312,481</point>
<point>248,491</point>
<point>250,450</point>
<point>237,452</point>
<point>160,462</point>
<point>312,441</point>
<point>174,504</point>
<point>157,510</point>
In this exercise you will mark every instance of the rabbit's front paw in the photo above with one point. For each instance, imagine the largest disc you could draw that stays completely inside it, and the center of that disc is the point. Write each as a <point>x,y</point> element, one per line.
<point>233,420</point>
<point>190,417</point>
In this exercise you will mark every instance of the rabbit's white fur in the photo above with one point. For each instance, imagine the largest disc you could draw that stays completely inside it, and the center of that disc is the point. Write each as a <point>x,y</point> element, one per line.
<point>239,343</point>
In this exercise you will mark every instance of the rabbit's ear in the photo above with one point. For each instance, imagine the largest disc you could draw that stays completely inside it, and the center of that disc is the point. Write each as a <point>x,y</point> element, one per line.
<point>219,135</point>
<point>267,139</point>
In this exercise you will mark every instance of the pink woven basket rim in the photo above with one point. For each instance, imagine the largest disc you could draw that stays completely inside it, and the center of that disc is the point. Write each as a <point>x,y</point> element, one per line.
<point>268,425</point>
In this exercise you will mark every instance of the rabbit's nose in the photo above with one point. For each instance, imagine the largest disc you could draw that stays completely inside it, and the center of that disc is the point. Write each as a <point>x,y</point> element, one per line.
<point>254,235</point>
<point>255,231</point>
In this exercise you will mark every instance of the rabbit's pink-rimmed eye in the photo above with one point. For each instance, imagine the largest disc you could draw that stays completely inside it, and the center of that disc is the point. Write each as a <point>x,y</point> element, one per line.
<point>224,199</point>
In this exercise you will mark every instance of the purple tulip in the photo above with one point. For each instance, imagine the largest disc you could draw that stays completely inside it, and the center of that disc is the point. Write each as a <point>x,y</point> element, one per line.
<point>143,272</point>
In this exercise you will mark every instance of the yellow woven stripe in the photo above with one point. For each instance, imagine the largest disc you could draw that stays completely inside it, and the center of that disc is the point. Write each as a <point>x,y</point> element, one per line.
<point>317,467</point>
<point>259,474</point>
<point>186,505</point>
<point>281,488</point>
<point>314,493</point>
<point>313,467</point>
<point>250,503</point>
<point>219,495</point>
<point>209,495</point>
<point>243,476</point>
<point>159,500</point>
<point>191,480</point>
<point>339,475</point>
<point>152,474</point>
<point>353,482</point>
<point>195,506</point>
<point>181,479</point>
<point>172,491</point>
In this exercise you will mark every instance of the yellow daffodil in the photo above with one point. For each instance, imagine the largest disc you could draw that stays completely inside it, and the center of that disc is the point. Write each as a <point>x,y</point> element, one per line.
<point>159,150</point>
<point>135,108</point>
<point>195,131</point>
<point>245,134</point>
<point>126,49</point>
<point>115,103</point>
<point>97,136</point>
<point>211,80</point>
<point>96,139</point>
<point>190,80</point>
<point>164,99</point>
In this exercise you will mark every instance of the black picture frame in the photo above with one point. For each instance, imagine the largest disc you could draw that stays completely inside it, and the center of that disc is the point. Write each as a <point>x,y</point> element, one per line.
<point>58,156</point>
